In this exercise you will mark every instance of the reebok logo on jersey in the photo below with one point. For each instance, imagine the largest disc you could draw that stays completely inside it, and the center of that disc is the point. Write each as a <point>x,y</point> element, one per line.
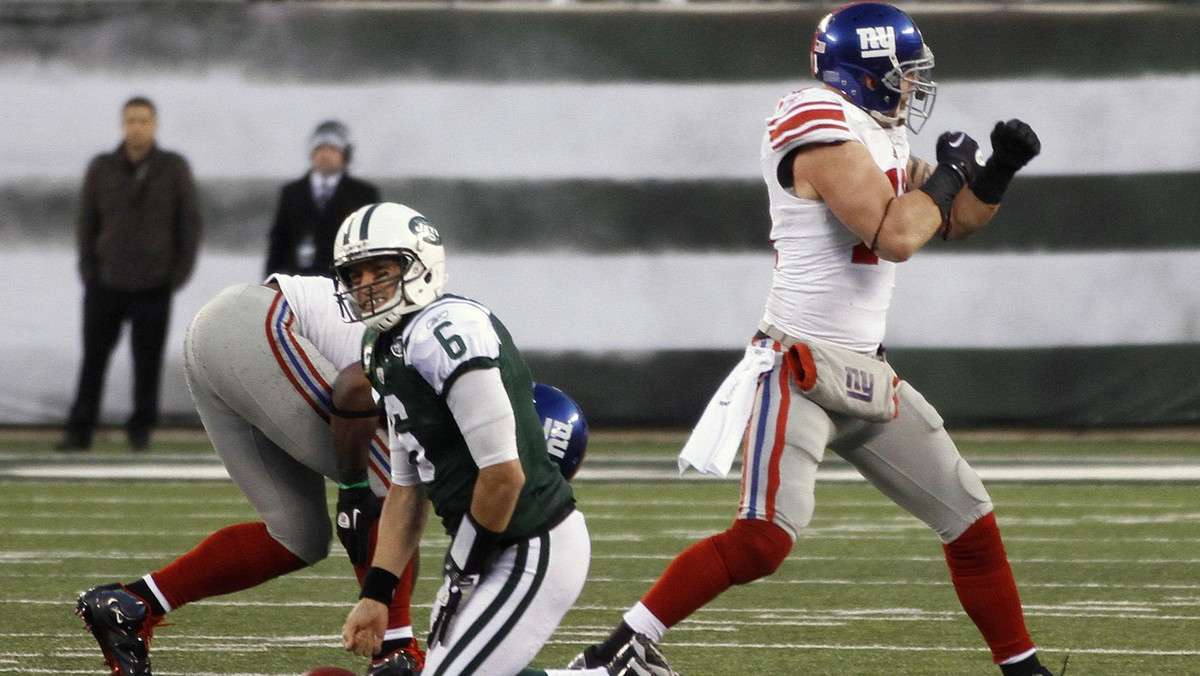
<point>877,41</point>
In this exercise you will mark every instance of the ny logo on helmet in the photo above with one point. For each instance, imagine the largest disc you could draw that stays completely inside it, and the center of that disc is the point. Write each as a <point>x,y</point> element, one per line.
<point>878,41</point>
<point>558,436</point>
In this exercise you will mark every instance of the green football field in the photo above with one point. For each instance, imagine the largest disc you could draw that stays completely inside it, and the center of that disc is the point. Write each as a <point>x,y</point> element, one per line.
<point>1109,570</point>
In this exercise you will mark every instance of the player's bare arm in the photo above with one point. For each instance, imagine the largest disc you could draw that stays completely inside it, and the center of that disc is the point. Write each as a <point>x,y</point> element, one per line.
<point>496,492</point>
<point>967,214</point>
<point>404,513</point>
<point>400,527</point>
<point>1014,144</point>
<point>918,171</point>
<point>354,421</point>
<point>847,179</point>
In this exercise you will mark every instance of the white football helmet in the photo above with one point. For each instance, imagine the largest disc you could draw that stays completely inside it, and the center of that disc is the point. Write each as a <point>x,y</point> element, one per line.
<point>390,230</point>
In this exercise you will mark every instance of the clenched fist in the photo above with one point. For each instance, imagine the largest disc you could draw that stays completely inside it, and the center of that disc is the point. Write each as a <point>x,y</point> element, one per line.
<point>1014,143</point>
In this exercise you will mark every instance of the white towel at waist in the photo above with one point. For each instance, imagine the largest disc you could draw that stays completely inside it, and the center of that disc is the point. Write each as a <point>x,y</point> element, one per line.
<point>715,438</point>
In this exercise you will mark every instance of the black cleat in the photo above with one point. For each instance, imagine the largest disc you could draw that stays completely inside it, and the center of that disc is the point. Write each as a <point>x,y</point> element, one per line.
<point>122,625</point>
<point>405,661</point>
<point>586,659</point>
<point>639,657</point>
<point>1030,666</point>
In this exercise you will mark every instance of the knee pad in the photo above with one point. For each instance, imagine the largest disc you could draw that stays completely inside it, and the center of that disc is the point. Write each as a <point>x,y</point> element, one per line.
<point>752,549</point>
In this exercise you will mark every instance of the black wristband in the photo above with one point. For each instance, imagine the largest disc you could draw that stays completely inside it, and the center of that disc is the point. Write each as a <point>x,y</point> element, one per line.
<point>379,585</point>
<point>343,413</point>
<point>992,181</point>
<point>943,185</point>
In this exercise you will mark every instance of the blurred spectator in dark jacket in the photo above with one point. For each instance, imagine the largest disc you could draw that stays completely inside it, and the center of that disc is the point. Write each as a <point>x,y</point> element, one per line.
<point>138,231</point>
<point>312,207</point>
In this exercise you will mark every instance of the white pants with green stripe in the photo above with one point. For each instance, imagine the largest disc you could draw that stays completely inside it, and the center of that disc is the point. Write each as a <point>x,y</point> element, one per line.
<point>524,595</point>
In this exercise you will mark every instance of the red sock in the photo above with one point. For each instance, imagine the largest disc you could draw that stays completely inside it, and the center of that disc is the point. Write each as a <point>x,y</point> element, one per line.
<point>984,583</point>
<point>694,578</point>
<point>398,613</point>
<point>749,550</point>
<point>232,559</point>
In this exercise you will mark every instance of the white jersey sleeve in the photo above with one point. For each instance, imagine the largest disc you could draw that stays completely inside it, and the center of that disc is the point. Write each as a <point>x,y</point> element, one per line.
<point>319,318</point>
<point>447,335</point>
<point>813,115</point>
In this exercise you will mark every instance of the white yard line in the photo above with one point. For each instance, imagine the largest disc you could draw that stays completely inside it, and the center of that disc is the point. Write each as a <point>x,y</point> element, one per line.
<point>1075,471</point>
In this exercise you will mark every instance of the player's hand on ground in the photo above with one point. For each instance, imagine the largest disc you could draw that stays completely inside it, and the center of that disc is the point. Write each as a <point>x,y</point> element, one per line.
<point>959,150</point>
<point>1014,143</point>
<point>357,509</point>
<point>362,633</point>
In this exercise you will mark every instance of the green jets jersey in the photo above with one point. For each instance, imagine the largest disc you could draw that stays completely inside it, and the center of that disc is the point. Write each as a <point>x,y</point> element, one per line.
<point>413,366</point>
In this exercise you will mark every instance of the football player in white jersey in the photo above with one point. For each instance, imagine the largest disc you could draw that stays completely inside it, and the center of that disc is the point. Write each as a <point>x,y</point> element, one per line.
<point>260,361</point>
<point>848,202</point>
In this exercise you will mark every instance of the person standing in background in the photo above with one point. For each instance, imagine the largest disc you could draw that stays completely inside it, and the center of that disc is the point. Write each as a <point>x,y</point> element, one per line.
<point>312,207</point>
<point>138,231</point>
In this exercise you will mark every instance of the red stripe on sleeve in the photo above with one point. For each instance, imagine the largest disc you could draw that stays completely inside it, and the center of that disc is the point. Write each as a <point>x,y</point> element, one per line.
<point>828,117</point>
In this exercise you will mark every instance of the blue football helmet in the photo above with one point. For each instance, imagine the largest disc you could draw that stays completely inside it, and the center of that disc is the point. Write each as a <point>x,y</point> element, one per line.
<point>874,54</point>
<point>565,427</point>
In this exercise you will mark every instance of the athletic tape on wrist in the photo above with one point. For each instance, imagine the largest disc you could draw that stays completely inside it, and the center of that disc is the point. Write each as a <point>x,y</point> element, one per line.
<point>992,181</point>
<point>943,185</point>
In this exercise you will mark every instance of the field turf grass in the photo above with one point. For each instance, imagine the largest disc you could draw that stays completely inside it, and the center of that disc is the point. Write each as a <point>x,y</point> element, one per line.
<point>1108,573</point>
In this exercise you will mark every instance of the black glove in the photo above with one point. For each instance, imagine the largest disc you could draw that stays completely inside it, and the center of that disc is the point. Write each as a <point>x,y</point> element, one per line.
<point>959,162</point>
<point>1013,144</point>
<point>961,152</point>
<point>357,509</point>
<point>463,568</point>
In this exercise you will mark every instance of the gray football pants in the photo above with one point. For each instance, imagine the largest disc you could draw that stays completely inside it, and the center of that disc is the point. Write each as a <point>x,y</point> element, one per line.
<point>911,459</point>
<point>263,394</point>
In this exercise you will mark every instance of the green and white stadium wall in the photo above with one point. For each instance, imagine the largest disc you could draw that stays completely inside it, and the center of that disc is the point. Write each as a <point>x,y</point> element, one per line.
<point>594,171</point>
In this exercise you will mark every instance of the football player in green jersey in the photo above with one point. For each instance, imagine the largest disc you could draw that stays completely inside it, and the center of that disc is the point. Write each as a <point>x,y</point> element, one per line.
<point>464,433</point>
